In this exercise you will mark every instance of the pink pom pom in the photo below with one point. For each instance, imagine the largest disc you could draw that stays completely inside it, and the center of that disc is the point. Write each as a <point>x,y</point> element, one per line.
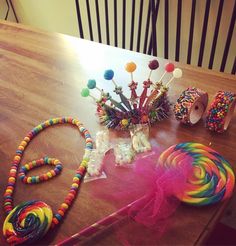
<point>169,67</point>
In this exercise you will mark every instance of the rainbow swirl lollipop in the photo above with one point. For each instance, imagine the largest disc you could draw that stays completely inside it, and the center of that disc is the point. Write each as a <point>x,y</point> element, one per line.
<point>27,222</point>
<point>212,179</point>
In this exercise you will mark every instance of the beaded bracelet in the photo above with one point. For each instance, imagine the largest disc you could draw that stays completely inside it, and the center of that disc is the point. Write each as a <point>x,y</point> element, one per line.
<point>30,220</point>
<point>190,106</point>
<point>221,111</point>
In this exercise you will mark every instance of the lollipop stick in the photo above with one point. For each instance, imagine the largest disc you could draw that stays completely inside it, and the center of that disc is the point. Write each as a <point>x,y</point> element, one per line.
<point>177,73</point>
<point>150,73</point>
<point>114,83</point>
<point>162,76</point>
<point>167,84</point>
<point>99,89</point>
<point>93,98</point>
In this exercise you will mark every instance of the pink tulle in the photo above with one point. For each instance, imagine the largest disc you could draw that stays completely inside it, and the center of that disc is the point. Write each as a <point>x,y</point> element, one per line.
<point>159,188</point>
<point>167,184</point>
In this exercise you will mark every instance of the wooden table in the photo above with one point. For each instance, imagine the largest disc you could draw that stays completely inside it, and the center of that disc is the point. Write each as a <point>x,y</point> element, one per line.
<point>41,76</point>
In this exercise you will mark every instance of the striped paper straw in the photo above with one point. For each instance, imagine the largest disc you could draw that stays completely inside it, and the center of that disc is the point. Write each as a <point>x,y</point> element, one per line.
<point>98,226</point>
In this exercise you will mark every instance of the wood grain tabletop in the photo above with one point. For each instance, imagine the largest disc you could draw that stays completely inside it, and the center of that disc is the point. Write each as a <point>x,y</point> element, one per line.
<point>41,76</point>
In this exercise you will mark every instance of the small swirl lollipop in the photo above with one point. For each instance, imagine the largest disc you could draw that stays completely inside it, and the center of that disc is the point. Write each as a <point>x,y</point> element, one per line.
<point>27,222</point>
<point>108,75</point>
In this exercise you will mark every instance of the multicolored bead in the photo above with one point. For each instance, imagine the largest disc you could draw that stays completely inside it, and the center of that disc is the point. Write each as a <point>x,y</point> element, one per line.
<point>222,107</point>
<point>8,195</point>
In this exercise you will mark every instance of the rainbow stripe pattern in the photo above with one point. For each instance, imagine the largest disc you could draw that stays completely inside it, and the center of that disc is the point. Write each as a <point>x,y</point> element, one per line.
<point>212,179</point>
<point>27,222</point>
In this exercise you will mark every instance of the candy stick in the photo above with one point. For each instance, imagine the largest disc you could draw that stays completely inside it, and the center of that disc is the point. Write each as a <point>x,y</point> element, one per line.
<point>160,89</point>
<point>130,68</point>
<point>146,85</point>
<point>153,65</point>
<point>153,95</point>
<point>99,226</point>
<point>114,102</point>
<point>176,75</point>
<point>108,75</point>
<point>92,85</point>
<point>134,97</point>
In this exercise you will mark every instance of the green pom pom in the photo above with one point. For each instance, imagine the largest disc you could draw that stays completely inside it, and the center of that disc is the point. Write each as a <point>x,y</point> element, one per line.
<point>91,83</point>
<point>85,92</point>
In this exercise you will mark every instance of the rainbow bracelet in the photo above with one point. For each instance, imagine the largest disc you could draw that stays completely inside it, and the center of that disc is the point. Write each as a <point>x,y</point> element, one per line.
<point>221,111</point>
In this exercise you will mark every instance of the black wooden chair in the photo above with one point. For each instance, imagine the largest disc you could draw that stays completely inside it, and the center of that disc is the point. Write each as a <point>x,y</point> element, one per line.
<point>148,39</point>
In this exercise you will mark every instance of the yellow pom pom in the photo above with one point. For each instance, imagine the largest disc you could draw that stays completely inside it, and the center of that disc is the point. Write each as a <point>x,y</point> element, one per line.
<point>130,67</point>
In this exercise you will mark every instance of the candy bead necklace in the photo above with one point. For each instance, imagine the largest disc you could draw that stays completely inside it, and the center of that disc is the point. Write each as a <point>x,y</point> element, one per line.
<point>30,220</point>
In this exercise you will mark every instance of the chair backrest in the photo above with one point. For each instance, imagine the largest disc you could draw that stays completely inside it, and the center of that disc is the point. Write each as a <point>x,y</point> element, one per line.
<point>193,32</point>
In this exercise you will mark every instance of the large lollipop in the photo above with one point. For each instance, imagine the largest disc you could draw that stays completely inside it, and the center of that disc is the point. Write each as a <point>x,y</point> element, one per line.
<point>27,222</point>
<point>212,179</point>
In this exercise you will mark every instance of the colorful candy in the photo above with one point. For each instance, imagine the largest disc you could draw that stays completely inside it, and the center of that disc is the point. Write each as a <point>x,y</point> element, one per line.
<point>153,65</point>
<point>85,92</point>
<point>190,106</point>
<point>150,106</point>
<point>130,67</point>
<point>221,111</point>
<point>91,83</point>
<point>109,74</point>
<point>177,73</point>
<point>27,222</point>
<point>43,177</point>
<point>8,195</point>
<point>212,179</point>
<point>169,67</point>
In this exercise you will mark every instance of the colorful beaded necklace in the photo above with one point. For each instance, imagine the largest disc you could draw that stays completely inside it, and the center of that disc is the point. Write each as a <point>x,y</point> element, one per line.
<point>30,220</point>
